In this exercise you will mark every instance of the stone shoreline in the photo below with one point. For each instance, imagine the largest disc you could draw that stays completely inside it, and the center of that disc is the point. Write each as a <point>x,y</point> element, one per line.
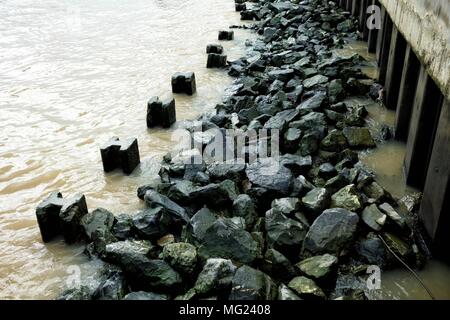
<point>229,231</point>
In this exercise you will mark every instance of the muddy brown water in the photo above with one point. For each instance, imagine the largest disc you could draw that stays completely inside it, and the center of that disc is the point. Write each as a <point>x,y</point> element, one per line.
<point>73,74</point>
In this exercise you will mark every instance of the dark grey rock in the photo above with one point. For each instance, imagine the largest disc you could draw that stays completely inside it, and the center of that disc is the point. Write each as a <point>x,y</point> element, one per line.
<point>184,83</point>
<point>252,284</point>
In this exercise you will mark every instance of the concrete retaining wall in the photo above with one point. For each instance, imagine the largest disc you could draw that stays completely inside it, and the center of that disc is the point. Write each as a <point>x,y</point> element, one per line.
<point>425,24</point>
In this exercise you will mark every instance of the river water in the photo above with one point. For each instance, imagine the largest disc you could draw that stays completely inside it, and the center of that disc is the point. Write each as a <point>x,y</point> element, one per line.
<point>73,73</point>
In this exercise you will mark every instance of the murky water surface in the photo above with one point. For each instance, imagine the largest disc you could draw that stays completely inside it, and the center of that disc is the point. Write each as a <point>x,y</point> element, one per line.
<point>74,73</point>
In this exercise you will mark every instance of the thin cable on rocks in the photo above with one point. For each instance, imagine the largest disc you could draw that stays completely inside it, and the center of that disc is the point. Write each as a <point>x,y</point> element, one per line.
<point>409,268</point>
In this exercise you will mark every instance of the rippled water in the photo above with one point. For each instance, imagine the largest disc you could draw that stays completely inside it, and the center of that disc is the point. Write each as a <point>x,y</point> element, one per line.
<point>74,73</point>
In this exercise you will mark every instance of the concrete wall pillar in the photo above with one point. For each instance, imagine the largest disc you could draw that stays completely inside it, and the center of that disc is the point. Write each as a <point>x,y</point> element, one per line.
<point>435,207</point>
<point>407,92</point>
<point>394,68</point>
<point>424,120</point>
<point>385,49</point>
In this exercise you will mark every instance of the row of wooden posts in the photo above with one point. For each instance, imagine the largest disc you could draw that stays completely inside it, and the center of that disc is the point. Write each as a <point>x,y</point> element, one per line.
<point>422,118</point>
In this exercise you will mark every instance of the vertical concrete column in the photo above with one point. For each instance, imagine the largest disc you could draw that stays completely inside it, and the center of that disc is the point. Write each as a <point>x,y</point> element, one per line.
<point>355,7</point>
<point>385,49</point>
<point>435,207</point>
<point>348,5</point>
<point>424,120</point>
<point>381,35</point>
<point>407,92</point>
<point>342,3</point>
<point>373,34</point>
<point>362,15</point>
<point>395,68</point>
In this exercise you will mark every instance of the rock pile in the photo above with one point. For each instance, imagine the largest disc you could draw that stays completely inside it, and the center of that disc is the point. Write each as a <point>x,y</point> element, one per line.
<point>307,230</point>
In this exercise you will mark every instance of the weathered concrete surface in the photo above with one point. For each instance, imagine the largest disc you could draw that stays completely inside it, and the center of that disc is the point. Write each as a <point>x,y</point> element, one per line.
<point>425,24</point>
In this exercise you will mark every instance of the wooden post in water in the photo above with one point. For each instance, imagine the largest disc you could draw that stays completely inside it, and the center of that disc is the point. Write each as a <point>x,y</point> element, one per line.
<point>394,68</point>
<point>424,120</point>
<point>348,5</point>
<point>384,56</point>
<point>362,14</point>
<point>407,92</point>
<point>435,207</point>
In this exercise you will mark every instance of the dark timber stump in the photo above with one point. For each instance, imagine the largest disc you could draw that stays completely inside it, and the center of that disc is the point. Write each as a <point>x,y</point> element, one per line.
<point>384,56</point>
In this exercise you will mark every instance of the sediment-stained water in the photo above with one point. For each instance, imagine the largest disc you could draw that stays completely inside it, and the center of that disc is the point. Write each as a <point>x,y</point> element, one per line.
<point>73,74</point>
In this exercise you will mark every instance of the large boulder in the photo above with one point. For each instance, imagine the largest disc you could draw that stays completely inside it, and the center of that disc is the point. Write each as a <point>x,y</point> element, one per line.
<point>318,267</point>
<point>359,137</point>
<point>114,287</point>
<point>225,239</point>
<point>284,234</point>
<point>278,266</point>
<point>252,284</point>
<point>373,217</point>
<point>155,199</point>
<point>346,198</point>
<point>151,224</point>
<point>270,175</point>
<point>306,289</point>
<point>199,223</point>
<point>100,220</point>
<point>181,256</point>
<point>244,207</point>
<point>316,200</point>
<point>215,195</point>
<point>332,232</point>
<point>223,171</point>
<point>215,277</point>
<point>286,294</point>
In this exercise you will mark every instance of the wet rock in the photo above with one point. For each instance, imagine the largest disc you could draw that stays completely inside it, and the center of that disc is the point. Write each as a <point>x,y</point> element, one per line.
<point>123,253</point>
<point>181,256</point>
<point>281,120</point>
<point>47,215</point>
<point>215,195</point>
<point>151,224</point>
<point>375,91</point>
<point>318,267</point>
<point>284,234</point>
<point>216,61</point>
<point>216,276</point>
<point>268,174</point>
<point>252,284</point>
<point>226,170</point>
<point>333,231</point>
<point>359,137</point>
<point>315,81</point>
<point>335,141</point>
<point>327,171</point>
<point>161,112</point>
<point>200,222</point>
<point>291,140</point>
<point>270,33</point>
<point>314,103</point>
<point>278,266</point>
<point>214,48</point>
<point>122,228</point>
<point>120,154</point>
<point>113,288</point>
<point>143,189</point>
<point>309,144</point>
<point>142,295</point>
<point>316,200</point>
<point>336,183</point>
<point>70,216</point>
<point>155,200</point>
<point>310,122</point>
<point>306,289</point>
<point>201,178</point>
<point>224,239</point>
<point>180,192</point>
<point>297,164</point>
<point>286,294</point>
<point>373,217</point>
<point>281,74</point>
<point>244,207</point>
<point>399,246</point>
<point>226,35</point>
<point>373,251</point>
<point>336,90</point>
<point>79,293</point>
<point>346,26</point>
<point>184,83</point>
<point>387,209</point>
<point>346,198</point>
<point>100,220</point>
<point>287,206</point>
<point>240,7</point>
<point>376,192</point>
